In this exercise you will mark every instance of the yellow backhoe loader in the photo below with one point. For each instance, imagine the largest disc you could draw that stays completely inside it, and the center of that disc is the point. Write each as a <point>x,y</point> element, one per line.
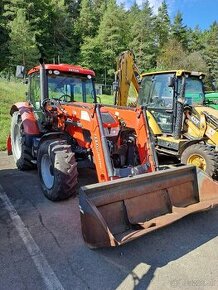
<point>178,118</point>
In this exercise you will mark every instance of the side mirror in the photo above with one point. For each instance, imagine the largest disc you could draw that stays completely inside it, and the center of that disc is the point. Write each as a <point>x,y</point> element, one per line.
<point>171,82</point>
<point>20,72</point>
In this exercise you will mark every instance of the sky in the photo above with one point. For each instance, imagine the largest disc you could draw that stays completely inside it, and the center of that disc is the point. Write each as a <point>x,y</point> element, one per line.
<point>200,13</point>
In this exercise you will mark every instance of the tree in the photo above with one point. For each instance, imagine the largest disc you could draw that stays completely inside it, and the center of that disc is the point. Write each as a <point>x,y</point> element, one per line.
<point>196,39</point>
<point>162,25</point>
<point>133,14</point>
<point>92,55</point>
<point>23,48</point>
<point>54,32</point>
<point>90,16</point>
<point>4,38</point>
<point>143,38</point>
<point>172,56</point>
<point>195,62</point>
<point>211,51</point>
<point>52,26</point>
<point>179,31</point>
<point>112,37</point>
<point>86,20</point>
<point>73,7</point>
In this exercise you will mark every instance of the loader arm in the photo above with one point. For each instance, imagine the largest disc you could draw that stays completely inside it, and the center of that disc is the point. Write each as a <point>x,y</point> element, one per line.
<point>92,118</point>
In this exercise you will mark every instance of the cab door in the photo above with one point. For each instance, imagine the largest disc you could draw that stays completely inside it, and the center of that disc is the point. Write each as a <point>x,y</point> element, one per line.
<point>159,99</point>
<point>34,96</point>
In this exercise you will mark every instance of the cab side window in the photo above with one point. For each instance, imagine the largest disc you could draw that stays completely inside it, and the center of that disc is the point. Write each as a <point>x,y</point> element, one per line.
<point>161,94</point>
<point>34,90</point>
<point>144,92</point>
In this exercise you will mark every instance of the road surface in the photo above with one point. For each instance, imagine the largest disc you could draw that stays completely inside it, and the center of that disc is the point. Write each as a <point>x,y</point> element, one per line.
<point>41,246</point>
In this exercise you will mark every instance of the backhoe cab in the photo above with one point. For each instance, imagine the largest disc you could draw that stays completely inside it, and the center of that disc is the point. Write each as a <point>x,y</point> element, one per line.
<point>184,127</point>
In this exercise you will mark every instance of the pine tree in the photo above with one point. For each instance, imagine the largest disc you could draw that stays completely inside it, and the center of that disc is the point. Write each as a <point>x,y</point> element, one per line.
<point>73,7</point>
<point>179,30</point>
<point>133,14</point>
<point>211,51</point>
<point>112,36</point>
<point>86,21</point>
<point>162,25</point>
<point>196,40</point>
<point>52,25</point>
<point>91,13</point>
<point>22,43</point>
<point>143,39</point>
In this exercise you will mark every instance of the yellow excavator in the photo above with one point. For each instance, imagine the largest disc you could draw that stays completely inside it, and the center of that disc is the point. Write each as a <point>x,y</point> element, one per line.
<point>181,124</point>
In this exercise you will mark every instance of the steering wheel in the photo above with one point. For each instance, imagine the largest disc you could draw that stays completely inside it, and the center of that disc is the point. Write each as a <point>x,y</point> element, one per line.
<point>65,98</point>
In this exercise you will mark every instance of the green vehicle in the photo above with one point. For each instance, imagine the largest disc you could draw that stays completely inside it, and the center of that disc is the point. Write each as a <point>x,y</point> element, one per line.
<point>211,99</point>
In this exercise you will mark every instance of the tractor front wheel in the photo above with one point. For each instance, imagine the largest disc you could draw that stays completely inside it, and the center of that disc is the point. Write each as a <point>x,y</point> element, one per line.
<point>202,157</point>
<point>57,169</point>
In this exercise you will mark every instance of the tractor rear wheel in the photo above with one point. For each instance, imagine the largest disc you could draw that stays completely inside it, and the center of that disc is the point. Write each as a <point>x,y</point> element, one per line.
<point>202,157</point>
<point>22,153</point>
<point>57,169</point>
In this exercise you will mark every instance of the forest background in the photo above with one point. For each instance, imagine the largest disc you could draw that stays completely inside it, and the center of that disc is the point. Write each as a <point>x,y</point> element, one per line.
<point>92,33</point>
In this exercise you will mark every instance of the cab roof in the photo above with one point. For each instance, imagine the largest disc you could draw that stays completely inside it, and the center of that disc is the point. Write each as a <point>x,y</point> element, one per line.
<point>64,68</point>
<point>177,72</point>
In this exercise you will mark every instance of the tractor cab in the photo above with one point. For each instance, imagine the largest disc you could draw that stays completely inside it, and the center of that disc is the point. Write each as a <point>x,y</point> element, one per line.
<point>61,82</point>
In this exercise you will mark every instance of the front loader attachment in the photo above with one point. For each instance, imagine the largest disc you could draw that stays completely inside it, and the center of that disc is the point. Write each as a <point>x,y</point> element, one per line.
<point>116,212</point>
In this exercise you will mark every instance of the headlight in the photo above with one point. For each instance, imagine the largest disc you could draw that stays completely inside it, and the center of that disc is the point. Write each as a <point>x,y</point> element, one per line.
<point>111,132</point>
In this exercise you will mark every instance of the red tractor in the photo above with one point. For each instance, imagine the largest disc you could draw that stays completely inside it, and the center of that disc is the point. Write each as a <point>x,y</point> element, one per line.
<point>61,126</point>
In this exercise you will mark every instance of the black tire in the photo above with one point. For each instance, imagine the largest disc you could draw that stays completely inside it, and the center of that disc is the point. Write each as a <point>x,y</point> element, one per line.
<point>57,169</point>
<point>205,153</point>
<point>22,153</point>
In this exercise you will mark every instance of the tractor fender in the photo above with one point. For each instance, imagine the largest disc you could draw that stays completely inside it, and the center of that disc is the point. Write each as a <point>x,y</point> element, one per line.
<point>28,118</point>
<point>189,143</point>
<point>52,136</point>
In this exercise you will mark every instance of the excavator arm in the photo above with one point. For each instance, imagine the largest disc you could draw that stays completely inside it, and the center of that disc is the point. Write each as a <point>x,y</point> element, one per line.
<point>127,73</point>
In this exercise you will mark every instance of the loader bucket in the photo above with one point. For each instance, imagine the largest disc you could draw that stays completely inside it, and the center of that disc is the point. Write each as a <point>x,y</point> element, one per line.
<point>116,212</point>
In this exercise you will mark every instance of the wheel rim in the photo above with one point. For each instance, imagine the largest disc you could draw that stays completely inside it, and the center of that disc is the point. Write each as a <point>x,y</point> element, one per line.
<point>47,171</point>
<point>198,161</point>
<point>17,141</point>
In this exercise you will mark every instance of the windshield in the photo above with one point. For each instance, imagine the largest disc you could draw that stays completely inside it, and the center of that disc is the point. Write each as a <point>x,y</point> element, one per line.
<point>155,92</point>
<point>68,88</point>
<point>194,93</point>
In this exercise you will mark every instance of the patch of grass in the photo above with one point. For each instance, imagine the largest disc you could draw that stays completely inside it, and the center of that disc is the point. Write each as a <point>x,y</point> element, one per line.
<point>10,93</point>
<point>106,99</point>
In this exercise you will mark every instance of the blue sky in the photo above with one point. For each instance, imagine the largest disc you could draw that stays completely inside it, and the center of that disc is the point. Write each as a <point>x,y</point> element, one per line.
<point>195,12</point>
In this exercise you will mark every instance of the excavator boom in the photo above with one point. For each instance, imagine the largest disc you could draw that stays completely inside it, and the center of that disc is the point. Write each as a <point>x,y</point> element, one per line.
<point>127,73</point>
